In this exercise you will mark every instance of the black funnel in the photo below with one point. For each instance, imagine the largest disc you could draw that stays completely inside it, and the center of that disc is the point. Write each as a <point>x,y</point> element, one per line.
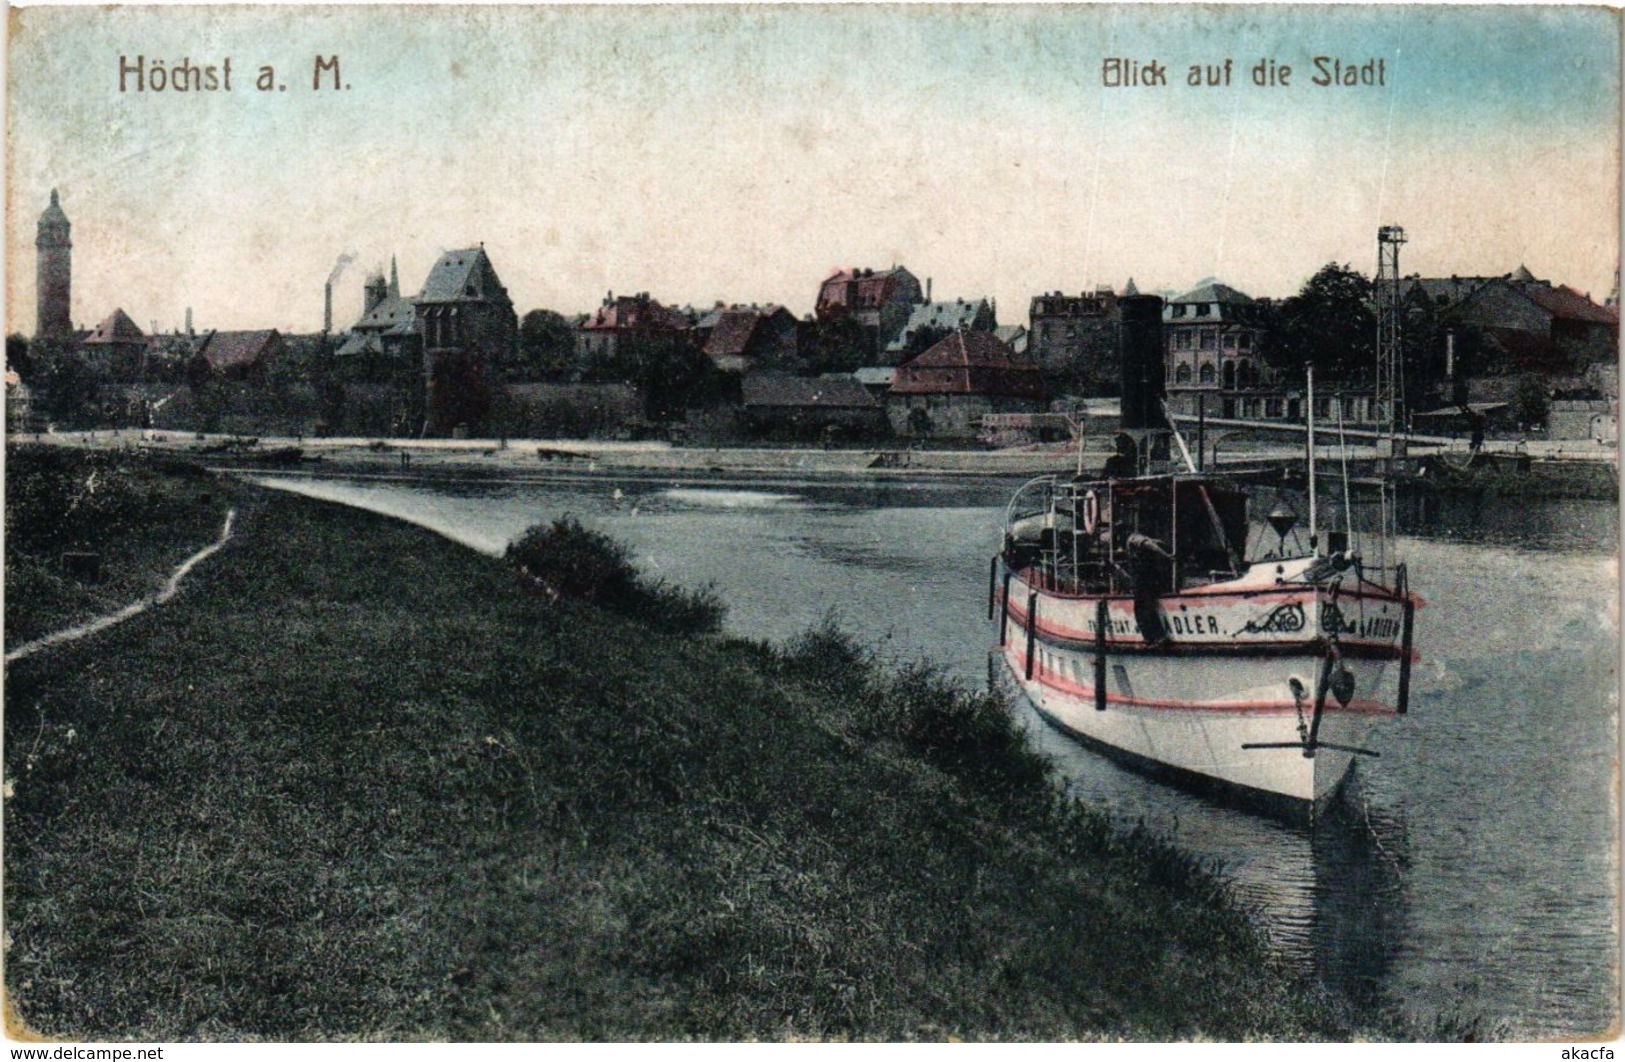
<point>1141,347</point>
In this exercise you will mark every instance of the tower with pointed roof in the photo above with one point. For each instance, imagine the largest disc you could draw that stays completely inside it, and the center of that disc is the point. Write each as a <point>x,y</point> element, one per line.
<point>54,277</point>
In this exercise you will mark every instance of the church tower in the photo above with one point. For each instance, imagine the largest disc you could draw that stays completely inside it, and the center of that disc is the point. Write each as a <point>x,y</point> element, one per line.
<point>55,273</point>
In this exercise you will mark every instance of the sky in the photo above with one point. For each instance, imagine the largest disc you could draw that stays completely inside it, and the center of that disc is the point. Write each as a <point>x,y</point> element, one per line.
<point>743,153</point>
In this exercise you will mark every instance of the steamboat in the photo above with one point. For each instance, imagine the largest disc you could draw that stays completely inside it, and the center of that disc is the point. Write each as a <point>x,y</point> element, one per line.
<point>1147,614</point>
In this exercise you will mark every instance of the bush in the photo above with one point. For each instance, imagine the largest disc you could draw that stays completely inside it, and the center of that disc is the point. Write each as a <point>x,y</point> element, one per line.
<point>570,560</point>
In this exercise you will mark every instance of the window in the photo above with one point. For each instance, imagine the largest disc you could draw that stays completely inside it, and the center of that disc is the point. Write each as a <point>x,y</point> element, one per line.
<point>1206,375</point>
<point>1201,309</point>
<point>1207,340</point>
<point>1182,374</point>
<point>1246,341</point>
<point>1179,309</point>
<point>1272,408</point>
<point>1230,342</point>
<point>1229,376</point>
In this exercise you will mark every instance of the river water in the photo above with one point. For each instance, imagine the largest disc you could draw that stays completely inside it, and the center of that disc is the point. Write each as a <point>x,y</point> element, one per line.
<point>1469,871</point>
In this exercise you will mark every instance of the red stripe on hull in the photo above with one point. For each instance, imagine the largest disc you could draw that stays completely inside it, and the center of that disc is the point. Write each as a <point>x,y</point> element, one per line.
<point>1045,677</point>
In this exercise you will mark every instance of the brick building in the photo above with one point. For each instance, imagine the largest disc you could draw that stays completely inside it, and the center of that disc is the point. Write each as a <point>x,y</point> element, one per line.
<point>880,300</point>
<point>946,391</point>
<point>1074,339</point>
<point>746,339</point>
<point>604,334</point>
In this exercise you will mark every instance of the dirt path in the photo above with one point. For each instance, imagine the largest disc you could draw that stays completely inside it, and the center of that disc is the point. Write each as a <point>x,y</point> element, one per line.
<point>101,623</point>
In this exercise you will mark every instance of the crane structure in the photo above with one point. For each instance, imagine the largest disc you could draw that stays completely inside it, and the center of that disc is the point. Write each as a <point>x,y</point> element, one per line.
<point>1389,400</point>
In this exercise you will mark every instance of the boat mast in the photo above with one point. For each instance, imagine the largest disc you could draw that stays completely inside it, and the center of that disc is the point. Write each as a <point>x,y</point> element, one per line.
<point>1314,540</point>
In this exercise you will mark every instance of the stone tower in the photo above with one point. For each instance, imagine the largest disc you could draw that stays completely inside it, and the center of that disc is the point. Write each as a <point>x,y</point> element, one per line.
<point>55,273</point>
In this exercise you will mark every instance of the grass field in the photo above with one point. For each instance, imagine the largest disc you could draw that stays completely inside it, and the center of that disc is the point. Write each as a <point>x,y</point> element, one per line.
<point>358,782</point>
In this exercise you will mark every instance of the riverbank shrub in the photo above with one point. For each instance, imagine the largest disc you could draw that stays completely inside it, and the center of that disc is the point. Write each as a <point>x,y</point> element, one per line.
<point>571,560</point>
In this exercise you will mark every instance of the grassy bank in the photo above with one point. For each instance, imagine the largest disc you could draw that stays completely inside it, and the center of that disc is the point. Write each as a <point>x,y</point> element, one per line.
<point>356,781</point>
<point>140,519</point>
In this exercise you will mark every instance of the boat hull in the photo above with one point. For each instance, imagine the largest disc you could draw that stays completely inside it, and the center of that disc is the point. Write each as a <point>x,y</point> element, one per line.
<point>1228,707</point>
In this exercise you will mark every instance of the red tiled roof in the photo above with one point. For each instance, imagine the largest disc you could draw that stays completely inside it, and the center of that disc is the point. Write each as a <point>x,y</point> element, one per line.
<point>630,311</point>
<point>1566,304</point>
<point>968,362</point>
<point>868,288</point>
<point>231,350</point>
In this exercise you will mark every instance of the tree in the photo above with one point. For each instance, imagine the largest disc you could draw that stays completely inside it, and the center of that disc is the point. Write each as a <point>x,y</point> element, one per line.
<point>547,344</point>
<point>1329,323</point>
<point>841,344</point>
<point>17,359</point>
<point>1530,402</point>
<point>70,391</point>
<point>669,372</point>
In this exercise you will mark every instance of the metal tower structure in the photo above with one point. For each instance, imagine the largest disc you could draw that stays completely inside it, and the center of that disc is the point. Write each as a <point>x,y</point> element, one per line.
<point>1389,401</point>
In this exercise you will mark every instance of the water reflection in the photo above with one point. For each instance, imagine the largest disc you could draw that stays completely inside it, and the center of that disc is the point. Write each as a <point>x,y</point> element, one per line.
<point>1331,897</point>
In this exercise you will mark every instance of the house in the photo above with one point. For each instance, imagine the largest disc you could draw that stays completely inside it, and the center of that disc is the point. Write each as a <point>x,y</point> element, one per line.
<point>880,300</point>
<point>117,346</point>
<point>604,334</point>
<point>800,407</point>
<point>1536,326</point>
<point>746,339</point>
<point>1074,338</point>
<point>929,322</point>
<point>1212,338</point>
<point>468,329</point>
<point>238,355</point>
<point>946,391</point>
<point>1527,324</point>
<point>386,339</point>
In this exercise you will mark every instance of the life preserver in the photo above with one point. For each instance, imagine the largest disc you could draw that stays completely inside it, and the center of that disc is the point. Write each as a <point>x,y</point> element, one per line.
<point>1091,512</point>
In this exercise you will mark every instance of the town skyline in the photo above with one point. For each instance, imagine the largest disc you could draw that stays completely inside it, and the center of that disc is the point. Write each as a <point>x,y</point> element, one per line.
<point>977,147</point>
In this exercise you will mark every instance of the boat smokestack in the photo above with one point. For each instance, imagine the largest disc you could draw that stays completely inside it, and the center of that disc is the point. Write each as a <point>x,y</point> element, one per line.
<point>1141,350</point>
<point>327,309</point>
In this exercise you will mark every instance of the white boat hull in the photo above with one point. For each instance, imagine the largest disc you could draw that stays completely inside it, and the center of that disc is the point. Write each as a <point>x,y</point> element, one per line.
<point>1193,703</point>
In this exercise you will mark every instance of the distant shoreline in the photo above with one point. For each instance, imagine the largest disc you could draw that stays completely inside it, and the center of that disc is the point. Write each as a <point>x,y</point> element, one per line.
<point>1549,470</point>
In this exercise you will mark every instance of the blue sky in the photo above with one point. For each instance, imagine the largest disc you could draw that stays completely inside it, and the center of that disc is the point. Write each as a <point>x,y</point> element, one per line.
<point>740,153</point>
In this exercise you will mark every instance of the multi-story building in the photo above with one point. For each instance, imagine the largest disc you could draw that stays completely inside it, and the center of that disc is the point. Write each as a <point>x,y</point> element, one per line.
<point>1073,338</point>
<point>603,336</point>
<point>1213,341</point>
<point>930,322</point>
<point>1536,326</point>
<point>117,347</point>
<point>469,328</point>
<point>747,339</point>
<point>880,300</point>
<point>386,338</point>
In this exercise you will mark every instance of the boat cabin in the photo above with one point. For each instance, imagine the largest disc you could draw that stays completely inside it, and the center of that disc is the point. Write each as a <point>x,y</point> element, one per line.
<point>1146,535</point>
